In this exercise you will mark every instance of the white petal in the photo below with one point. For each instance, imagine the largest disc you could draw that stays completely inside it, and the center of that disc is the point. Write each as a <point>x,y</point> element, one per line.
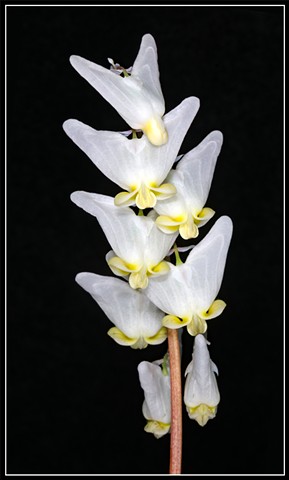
<point>171,293</point>
<point>192,179</point>
<point>126,232</point>
<point>154,164</point>
<point>146,68</point>
<point>127,309</point>
<point>117,158</point>
<point>132,162</point>
<point>207,263</point>
<point>156,388</point>
<point>126,95</point>
<point>198,167</point>
<point>201,385</point>
<point>177,123</point>
<point>158,246</point>
<point>192,287</point>
<point>89,202</point>
<point>174,207</point>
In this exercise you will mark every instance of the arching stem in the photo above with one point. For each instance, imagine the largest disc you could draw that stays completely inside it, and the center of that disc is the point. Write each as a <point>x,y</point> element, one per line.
<point>177,255</point>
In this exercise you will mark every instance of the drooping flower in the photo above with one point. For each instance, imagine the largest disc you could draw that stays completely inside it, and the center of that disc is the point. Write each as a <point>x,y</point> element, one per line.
<point>185,212</point>
<point>155,381</point>
<point>201,393</point>
<point>188,292</point>
<point>138,246</point>
<point>135,164</point>
<point>137,96</point>
<point>137,321</point>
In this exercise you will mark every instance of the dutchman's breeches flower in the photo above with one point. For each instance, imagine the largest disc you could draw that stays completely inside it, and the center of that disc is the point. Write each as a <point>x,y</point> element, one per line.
<point>192,179</point>
<point>137,321</point>
<point>138,246</point>
<point>201,394</point>
<point>135,164</point>
<point>137,96</point>
<point>155,381</point>
<point>187,293</point>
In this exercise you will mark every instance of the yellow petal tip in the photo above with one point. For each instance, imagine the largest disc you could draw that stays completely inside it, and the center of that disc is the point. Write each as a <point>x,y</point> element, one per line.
<point>173,322</point>
<point>158,429</point>
<point>119,337</point>
<point>202,413</point>
<point>155,131</point>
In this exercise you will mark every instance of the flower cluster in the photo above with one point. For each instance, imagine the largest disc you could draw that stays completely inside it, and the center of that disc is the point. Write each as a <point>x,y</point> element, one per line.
<point>155,295</point>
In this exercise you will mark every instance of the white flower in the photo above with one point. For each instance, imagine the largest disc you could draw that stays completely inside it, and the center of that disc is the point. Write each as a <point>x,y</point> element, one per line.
<point>187,293</point>
<point>192,178</point>
<point>136,165</point>
<point>137,97</point>
<point>137,321</point>
<point>155,381</point>
<point>201,394</point>
<point>138,246</point>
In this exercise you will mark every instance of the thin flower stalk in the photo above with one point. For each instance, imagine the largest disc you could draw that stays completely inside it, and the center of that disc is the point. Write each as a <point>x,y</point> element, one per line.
<point>176,402</point>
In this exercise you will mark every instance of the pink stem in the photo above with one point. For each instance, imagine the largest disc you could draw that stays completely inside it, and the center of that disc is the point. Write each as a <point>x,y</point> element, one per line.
<point>176,402</point>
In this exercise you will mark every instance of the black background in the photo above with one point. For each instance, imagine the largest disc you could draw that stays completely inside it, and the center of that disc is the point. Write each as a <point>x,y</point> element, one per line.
<point>73,395</point>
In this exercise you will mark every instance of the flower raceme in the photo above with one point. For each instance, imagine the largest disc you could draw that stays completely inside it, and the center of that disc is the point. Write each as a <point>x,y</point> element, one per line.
<point>138,246</point>
<point>137,96</point>
<point>188,292</point>
<point>192,179</point>
<point>157,295</point>
<point>135,164</point>
<point>201,393</point>
<point>137,321</point>
<point>155,381</point>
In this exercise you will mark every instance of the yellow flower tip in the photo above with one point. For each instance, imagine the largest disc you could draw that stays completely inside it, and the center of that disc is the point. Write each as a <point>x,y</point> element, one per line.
<point>158,429</point>
<point>158,338</point>
<point>160,269</point>
<point>164,191</point>
<point>145,198</point>
<point>197,325</point>
<point>214,311</point>
<point>167,224</point>
<point>139,279</point>
<point>155,131</point>
<point>125,199</point>
<point>202,413</point>
<point>206,213</point>
<point>120,267</point>
<point>173,322</point>
<point>140,344</point>
<point>119,337</point>
<point>189,229</point>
